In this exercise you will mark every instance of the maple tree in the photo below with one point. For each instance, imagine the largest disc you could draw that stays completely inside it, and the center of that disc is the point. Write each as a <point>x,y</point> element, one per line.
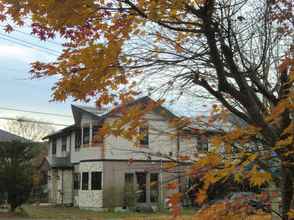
<point>239,51</point>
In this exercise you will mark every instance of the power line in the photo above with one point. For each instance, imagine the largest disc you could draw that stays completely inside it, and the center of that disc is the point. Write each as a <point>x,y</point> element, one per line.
<point>30,43</point>
<point>36,112</point>
<point>31,35</point>
<point>25,45</point>
<point>33,121</point>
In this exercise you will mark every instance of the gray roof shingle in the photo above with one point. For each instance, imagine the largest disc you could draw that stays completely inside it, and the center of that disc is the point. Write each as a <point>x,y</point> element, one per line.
<point>7,136</point>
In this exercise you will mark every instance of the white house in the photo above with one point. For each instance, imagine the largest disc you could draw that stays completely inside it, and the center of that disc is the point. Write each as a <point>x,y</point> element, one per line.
<point>98,174</point>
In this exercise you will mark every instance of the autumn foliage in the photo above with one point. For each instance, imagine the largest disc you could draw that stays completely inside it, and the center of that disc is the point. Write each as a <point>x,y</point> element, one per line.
<point>238,53</point>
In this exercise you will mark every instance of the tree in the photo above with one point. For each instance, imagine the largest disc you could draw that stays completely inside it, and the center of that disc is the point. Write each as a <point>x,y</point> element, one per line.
<point>29,129</point>
<point>16,171</point>
<point>239,52</point>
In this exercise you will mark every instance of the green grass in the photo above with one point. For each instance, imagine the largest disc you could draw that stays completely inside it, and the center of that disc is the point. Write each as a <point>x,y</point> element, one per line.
<point>58,213</point>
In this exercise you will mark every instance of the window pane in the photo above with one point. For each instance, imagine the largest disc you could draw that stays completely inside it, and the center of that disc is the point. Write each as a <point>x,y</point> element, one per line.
<point>54,146</point>
<point>85,181</point>
<point>154,187</point>
<point>76,181</point>
<point>63,143</point>
<point>96,180</point>
<point>86,135</point>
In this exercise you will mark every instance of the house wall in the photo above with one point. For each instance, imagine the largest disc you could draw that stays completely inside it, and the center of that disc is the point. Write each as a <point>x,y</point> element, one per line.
<point>162,139</point>
<point>91,199</point>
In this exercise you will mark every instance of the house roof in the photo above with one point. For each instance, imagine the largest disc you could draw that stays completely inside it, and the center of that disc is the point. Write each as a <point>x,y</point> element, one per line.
<point>6,136</point>
<point>61,131</point>
<point>104,113</point>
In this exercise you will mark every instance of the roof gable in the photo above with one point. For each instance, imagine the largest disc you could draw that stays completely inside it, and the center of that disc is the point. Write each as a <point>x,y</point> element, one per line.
<point>103,114</point>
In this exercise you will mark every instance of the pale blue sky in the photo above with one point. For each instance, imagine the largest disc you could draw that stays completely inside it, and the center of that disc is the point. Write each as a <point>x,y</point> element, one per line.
<point>20,92</point>
<point>17,90</point>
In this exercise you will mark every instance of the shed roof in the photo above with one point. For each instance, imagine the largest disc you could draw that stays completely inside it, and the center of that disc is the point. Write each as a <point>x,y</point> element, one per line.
<point>6,136</point>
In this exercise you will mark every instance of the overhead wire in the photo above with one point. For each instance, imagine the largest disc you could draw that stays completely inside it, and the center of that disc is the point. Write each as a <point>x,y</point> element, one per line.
<point>31,35</point>
<point>33,121</point>
<point>36,112</point>
<point>27,42</point>
<point>29,45</point>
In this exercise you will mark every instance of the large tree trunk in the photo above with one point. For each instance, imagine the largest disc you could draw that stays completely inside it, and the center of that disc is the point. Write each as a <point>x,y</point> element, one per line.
<point>286,190</point>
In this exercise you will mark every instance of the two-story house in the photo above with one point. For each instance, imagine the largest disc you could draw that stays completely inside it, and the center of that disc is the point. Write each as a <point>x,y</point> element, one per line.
<point>96,173</point>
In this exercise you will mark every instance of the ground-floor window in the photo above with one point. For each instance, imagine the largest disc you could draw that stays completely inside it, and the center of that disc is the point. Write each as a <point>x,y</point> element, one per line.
<point>154,187</point>
<point>141,181</point>
<point>76,181</point>
<point>96,180</point>
<point>143,187</point>
<point>85,181</point>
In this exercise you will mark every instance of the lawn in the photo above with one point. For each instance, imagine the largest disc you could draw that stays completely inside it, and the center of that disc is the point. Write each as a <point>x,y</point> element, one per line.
<point>63,213</point>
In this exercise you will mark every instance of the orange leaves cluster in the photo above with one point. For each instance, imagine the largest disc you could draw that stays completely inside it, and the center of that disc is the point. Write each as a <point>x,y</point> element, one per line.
<point>258,178</point>
<point>221,211</point>
<point>174,201</point>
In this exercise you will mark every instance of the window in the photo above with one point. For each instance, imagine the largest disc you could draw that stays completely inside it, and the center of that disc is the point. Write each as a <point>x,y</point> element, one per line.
<point>129,179</point>
<point>154,187</point>
<point>76,181</point>
<point>203,144</point>
<point>85,181</point>
<point>86,135</point>
<point>77,140</point>
<point>54,146</point>
<point>144,135</point>
<point>141,181</point>
<point>63,143</point>
<point>97,138</point>
<point>96,179</point>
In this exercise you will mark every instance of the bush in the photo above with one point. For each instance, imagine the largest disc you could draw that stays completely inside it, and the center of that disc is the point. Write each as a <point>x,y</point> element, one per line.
<point>16,171</point>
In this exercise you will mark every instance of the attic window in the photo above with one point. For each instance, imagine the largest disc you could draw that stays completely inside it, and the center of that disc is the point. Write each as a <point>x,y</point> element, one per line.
<point>144,135</point>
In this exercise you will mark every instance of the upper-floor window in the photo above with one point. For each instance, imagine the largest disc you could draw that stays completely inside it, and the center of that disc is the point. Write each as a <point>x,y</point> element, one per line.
<point>86,135</point>
<point>144,135</point>
<point>97,138</point>
<point>77,140</point>
<point>85,181</point>
<point>63,143</point>
<point>54,144</point>
<point>202,145</point>
<point>96,180</point>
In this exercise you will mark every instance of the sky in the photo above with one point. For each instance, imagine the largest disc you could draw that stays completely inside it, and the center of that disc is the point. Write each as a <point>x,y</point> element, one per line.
<point>17,91</point>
